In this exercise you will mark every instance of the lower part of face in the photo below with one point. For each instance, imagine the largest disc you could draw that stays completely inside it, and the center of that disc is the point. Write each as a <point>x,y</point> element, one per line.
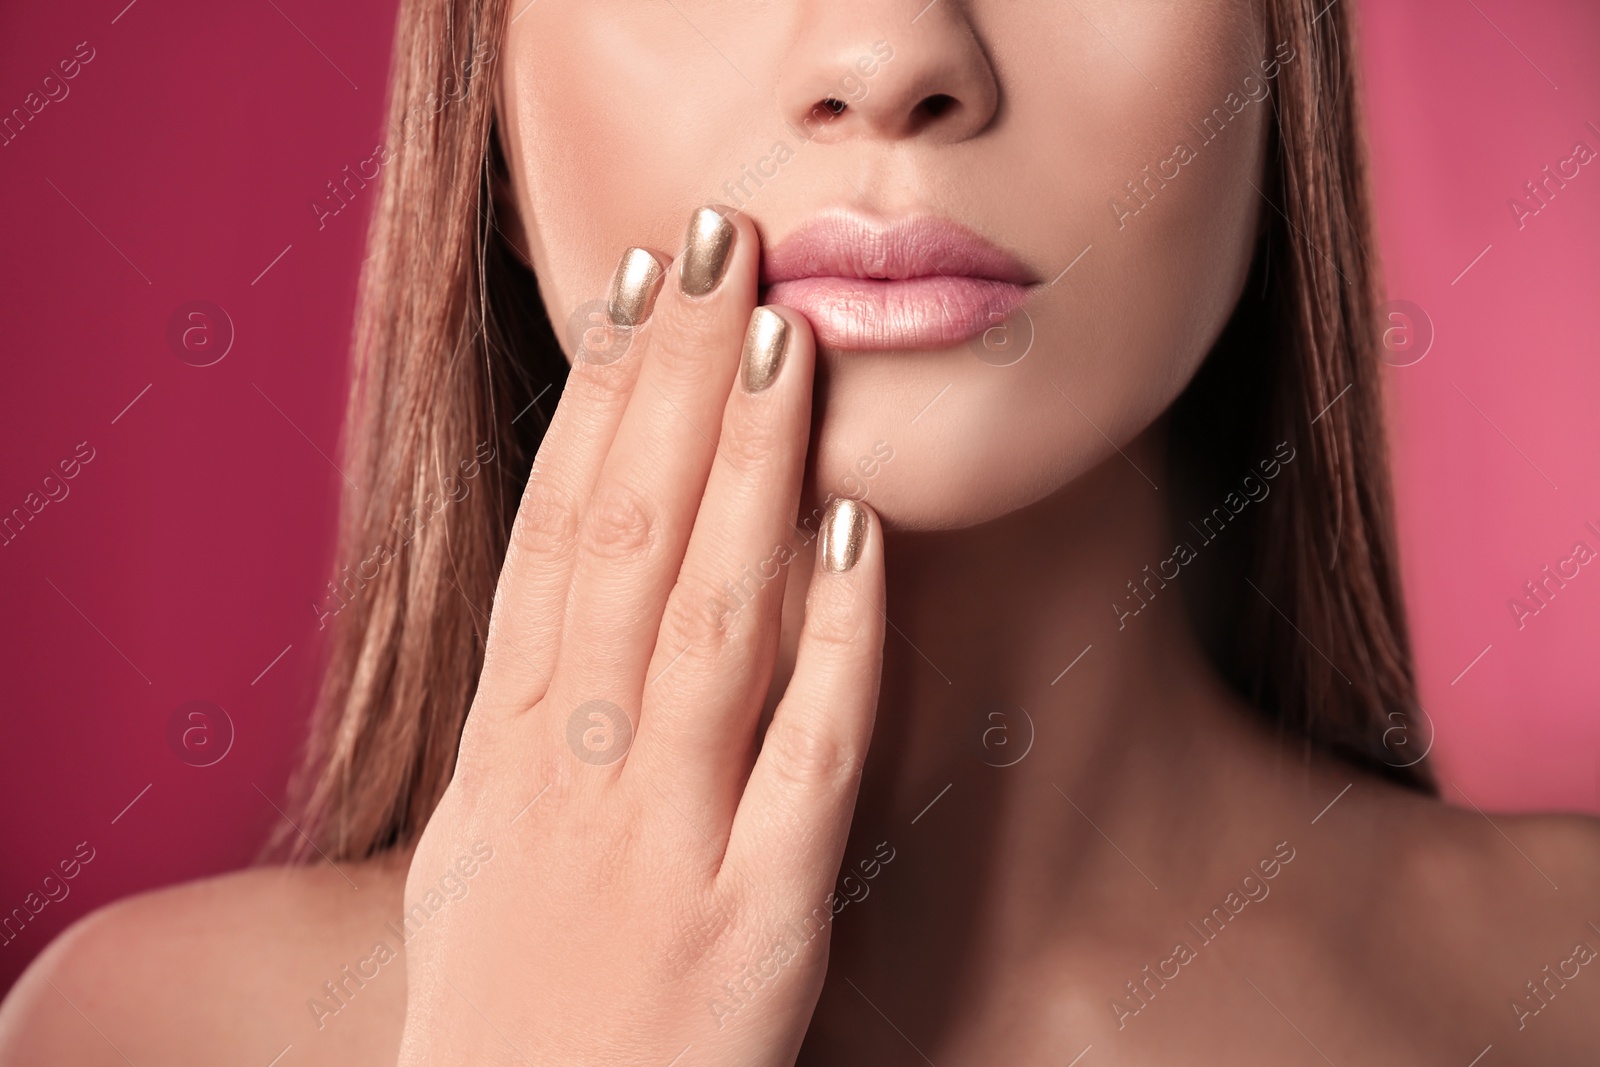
<point>1112,151</point>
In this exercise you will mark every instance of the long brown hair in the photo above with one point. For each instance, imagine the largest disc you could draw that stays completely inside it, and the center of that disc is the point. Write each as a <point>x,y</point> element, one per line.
<point>456,366</point>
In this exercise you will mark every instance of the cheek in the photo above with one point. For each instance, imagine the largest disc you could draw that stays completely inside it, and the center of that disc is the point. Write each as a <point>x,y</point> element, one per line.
<point>615,142</point>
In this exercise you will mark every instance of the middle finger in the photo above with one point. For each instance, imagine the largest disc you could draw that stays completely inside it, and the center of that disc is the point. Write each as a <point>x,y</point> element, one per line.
<point>634,532</point>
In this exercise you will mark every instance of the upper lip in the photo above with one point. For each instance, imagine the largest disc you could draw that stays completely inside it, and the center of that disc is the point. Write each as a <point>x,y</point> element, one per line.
<point>844,245</point>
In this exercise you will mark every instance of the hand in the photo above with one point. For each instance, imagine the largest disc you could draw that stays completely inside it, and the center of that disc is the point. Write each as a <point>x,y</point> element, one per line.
<point>644,887</point>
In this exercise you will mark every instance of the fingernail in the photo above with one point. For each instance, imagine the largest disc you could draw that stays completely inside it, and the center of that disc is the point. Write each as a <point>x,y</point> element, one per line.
<point>764,342</point>
<point>844,531</point>
<point>705,252</point>
<point>633,288</point>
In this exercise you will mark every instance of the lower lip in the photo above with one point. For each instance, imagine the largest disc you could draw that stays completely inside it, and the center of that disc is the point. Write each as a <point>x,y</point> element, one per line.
<point>878,314</point>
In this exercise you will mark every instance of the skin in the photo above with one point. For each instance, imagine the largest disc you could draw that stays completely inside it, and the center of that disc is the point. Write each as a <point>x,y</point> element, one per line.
<point>1020,900</point>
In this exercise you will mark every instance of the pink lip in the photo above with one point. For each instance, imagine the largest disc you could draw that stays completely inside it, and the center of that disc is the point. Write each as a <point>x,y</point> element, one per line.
<point>921,282</point>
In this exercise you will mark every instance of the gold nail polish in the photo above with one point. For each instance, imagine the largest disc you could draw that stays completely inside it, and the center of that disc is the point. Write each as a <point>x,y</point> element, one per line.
<point>633,288</point>
<point>705,252</point>
<point>765,341</point>
<point>844,531</point>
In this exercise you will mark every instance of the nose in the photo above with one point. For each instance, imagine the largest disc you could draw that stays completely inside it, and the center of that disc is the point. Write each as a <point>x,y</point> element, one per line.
<point>887,69</point>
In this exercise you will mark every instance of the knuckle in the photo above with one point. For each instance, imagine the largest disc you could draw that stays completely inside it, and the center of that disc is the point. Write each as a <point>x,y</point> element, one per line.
<point>834,624</point>
<point>618,522</point>
<point>699,937</point>
<point>696,618</point>
<point>750,439</point>
<point>546,523</point>
<point>686,348</point>
<point>806,756</point>
<point>600,386</point>
<point>474,763</point>
<point>482,753</point>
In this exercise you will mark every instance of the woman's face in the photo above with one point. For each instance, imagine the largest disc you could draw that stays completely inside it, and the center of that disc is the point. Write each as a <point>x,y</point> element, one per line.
<point>1016,241</point>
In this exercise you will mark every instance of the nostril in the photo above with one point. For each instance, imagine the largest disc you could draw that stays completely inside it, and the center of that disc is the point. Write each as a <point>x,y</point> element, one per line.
<point>936,105</point>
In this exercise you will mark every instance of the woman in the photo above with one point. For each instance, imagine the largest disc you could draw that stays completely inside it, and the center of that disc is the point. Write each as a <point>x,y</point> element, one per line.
<point>1014,405</point>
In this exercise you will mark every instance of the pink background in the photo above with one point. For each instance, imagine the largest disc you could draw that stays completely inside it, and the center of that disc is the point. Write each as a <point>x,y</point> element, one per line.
<point>183,563</point>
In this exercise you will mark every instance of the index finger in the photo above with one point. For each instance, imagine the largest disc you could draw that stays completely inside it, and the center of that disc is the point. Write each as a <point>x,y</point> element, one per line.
<point>525,623</point>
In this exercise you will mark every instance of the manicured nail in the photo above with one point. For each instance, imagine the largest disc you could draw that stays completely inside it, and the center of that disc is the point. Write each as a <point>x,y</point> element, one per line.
<point>844,531</point>
<point>764,342</point>
<point>633,288</point>
<point>705,252</point>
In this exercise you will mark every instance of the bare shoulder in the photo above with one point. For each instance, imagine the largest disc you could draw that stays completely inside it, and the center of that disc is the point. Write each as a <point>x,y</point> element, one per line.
<point>1486,922</point>
<point>234,968</point>
<point>1526,876</point>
